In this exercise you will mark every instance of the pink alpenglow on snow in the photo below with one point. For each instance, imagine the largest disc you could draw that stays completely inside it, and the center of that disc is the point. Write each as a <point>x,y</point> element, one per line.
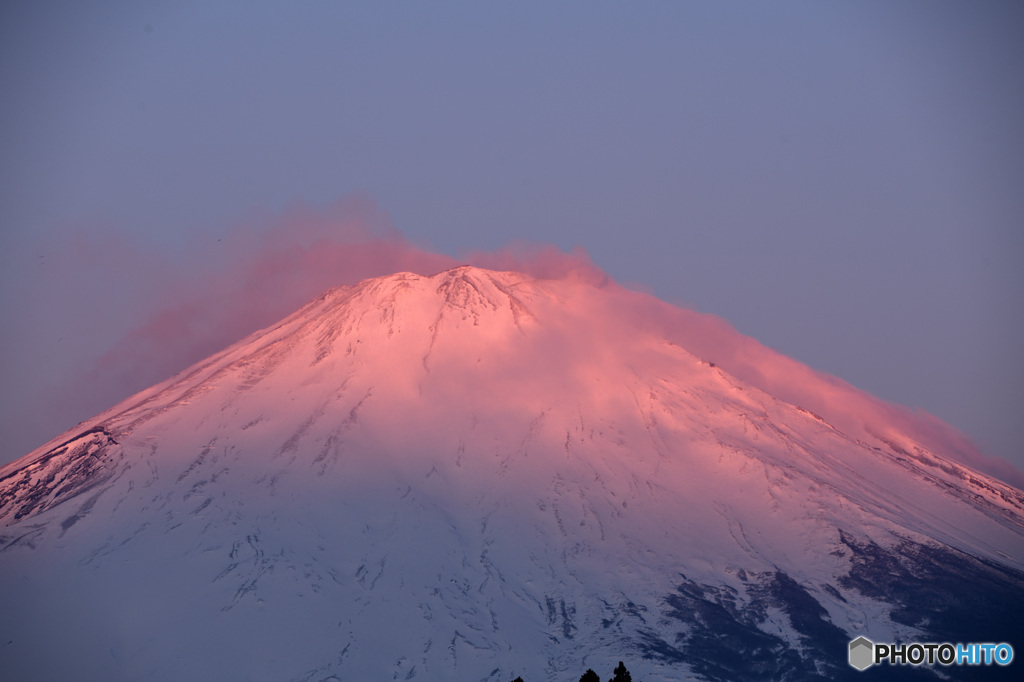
<point>255,277</point>
<point>853,410</point>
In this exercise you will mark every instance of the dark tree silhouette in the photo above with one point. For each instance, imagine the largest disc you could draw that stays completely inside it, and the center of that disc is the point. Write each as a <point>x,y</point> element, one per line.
<point>621,674</point>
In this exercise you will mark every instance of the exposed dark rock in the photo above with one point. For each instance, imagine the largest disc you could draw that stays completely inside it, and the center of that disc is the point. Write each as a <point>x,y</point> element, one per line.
<point>949,595</point>
<point>65,472</point>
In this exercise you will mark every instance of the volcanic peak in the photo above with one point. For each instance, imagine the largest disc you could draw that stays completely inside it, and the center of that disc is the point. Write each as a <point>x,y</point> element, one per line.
<point>499,469</point>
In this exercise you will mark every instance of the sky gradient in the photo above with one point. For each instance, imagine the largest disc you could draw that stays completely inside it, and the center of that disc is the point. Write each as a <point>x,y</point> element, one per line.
<point>842,182</point>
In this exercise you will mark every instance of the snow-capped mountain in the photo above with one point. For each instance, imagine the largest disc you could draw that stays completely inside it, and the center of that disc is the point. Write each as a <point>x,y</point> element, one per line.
<point>479,475</point>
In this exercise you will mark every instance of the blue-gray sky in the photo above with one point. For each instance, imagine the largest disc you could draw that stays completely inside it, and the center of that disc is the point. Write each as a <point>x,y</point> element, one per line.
<point>843,181</point>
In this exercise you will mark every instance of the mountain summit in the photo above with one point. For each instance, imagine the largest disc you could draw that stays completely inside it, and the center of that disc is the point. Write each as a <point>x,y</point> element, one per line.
<point>479,475</point>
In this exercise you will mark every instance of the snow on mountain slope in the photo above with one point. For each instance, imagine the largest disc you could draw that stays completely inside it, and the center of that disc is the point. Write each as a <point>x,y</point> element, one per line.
<point>475,475</point>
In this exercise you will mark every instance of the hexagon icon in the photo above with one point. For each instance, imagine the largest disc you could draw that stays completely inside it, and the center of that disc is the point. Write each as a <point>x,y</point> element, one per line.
<point>862,653</point>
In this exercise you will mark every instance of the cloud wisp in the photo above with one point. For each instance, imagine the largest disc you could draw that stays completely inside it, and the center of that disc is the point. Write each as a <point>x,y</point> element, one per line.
<point>177,313</point>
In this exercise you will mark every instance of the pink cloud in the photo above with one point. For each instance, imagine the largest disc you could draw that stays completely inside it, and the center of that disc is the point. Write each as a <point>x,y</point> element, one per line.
<point>855,412</point>
<point>266,268</point>
<point>543,261</point>
<point>259,276</point>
